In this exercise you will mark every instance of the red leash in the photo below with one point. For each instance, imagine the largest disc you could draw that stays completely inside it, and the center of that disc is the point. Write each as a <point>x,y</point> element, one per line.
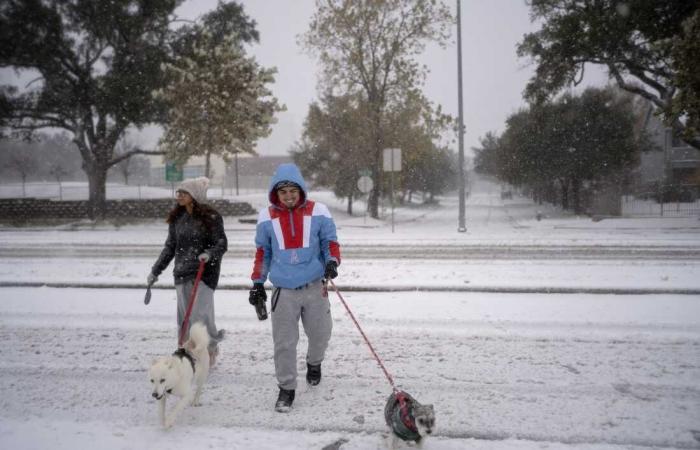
<point>193,295</point>
<point>352,316</point>
<point>399,395</point>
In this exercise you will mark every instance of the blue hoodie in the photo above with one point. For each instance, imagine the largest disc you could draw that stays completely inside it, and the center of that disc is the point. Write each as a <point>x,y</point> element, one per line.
<point>293,245</point>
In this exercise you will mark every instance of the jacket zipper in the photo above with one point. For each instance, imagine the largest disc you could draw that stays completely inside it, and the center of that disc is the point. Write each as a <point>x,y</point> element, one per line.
<point>291,222</point>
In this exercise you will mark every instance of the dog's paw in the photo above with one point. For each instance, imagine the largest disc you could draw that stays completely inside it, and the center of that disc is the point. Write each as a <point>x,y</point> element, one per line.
<point>196,403</point>
<point>169,422</point>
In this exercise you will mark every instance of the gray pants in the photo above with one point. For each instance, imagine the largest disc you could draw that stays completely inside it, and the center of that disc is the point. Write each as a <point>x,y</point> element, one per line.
<point>202,311</point>
<point>288,305</point>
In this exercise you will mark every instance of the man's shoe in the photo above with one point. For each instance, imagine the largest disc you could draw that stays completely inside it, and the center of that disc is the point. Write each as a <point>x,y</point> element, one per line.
<point>313,374</point>
<point>284,400</point>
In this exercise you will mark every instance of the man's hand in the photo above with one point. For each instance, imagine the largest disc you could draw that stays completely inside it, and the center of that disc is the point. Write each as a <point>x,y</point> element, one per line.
<point>257,293</point>
<point>331,270</point>
<point>203,257</point>
<point>151,279</point>
<point>257,297</point>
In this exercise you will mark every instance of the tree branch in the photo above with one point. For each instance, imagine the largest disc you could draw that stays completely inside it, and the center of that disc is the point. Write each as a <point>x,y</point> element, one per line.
<point>135,151</point>
<point>636,89</point>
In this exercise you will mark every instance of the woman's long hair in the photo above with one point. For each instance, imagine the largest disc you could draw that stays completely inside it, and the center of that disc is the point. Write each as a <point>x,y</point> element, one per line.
<point>204,213</point>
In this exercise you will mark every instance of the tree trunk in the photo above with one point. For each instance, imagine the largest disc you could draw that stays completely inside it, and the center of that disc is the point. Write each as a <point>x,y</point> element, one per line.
<point>378,144</point>
<point>97,183</point>
<point>376,190</point>
<point>576,193</point>
<point>350,205</point>
<point>564,193</point>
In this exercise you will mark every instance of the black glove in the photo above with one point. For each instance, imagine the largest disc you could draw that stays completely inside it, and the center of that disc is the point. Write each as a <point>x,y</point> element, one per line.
<point>331,270</point>
<point>257,297</point>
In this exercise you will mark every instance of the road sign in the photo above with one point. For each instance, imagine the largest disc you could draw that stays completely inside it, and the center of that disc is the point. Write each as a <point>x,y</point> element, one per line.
<point>173,172</point>
<point>392,160</point>
<point>365,184</point>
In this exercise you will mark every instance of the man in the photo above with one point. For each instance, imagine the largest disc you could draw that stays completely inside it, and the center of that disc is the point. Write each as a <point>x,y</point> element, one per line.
<point>297,247</point>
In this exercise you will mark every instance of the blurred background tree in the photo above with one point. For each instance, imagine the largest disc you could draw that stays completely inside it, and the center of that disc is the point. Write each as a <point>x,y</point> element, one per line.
<point>97,64</point>
<point>370,48</point>
<point>649,47</point>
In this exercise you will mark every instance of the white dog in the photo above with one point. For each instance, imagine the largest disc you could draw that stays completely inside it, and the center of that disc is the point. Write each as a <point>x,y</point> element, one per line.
<point>174,374</point>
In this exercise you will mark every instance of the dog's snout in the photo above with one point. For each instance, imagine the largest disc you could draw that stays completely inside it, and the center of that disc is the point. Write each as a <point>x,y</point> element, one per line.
<point>154,395</point>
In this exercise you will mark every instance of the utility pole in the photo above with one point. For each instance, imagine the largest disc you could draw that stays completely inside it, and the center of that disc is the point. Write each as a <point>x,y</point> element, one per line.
<point>235,156</point>
<point>462,227</point>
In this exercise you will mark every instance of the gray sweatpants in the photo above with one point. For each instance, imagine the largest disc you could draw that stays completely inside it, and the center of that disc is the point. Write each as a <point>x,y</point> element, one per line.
<point>288,305</point>
<point>202,311</point>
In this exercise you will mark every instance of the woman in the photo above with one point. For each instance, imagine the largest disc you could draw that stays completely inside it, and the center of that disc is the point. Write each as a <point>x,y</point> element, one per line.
<point>195,233</point>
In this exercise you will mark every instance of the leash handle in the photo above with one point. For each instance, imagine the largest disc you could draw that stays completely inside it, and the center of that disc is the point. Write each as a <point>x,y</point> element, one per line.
<point>193,295</point>
<point>376,357</point>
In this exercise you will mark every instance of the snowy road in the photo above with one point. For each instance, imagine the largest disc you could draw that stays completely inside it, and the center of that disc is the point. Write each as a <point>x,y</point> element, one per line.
<point>554,370</point>
<point>505,371</point>
<point>423,250</point>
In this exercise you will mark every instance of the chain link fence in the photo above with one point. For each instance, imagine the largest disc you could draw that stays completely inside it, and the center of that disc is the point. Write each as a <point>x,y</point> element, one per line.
<point>662,200</point>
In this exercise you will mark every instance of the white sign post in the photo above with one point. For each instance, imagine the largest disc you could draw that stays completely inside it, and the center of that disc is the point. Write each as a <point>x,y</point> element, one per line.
<point>392,163</point>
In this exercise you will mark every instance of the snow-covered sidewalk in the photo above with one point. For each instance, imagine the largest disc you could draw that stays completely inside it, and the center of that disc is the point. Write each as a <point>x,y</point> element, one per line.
<point>503,371</point>
<point>568,276</point>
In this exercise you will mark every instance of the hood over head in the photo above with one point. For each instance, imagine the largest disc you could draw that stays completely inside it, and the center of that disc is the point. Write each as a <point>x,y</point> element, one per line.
<point>291,174</point>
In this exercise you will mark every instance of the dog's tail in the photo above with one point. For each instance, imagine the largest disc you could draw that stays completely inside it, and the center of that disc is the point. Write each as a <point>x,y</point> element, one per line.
<point>199,339</point>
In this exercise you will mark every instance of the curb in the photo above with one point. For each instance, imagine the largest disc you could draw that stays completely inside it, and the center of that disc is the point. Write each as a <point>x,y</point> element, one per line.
<point>415,288</point>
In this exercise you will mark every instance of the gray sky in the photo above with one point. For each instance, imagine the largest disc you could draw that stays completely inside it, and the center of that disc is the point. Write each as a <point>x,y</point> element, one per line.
<point>493,76</point>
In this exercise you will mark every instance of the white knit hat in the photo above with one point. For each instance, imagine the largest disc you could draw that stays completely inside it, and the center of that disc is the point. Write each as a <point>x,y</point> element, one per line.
<point>196,187</point>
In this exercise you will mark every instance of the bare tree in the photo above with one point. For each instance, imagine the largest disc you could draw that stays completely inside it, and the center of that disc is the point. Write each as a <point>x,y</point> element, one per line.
<point>24,164</point>
<point>58,172</point>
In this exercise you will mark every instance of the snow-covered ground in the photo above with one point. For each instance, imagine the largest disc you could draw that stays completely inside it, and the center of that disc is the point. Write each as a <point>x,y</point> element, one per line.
<point>504,370</point>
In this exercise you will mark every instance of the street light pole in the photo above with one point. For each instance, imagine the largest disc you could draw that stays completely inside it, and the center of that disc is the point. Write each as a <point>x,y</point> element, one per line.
<point>235,156</point>
<point>462,225</point>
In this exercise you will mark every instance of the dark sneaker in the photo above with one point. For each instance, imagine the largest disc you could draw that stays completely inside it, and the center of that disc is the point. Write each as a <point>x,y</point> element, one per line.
<point>284,400</point>
<point>313,374</point>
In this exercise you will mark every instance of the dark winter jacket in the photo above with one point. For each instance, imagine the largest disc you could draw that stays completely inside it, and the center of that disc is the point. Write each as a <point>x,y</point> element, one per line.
<point>188,237</point>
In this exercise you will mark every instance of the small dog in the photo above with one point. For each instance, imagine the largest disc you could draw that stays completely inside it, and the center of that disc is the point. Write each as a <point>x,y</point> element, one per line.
<point>174,374</point>
<point>412,423</point>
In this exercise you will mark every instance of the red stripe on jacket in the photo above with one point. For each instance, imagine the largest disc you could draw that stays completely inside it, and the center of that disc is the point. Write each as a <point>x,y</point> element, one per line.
<point>296,240</point>
<point>258,264</point>
<point>334,248</point>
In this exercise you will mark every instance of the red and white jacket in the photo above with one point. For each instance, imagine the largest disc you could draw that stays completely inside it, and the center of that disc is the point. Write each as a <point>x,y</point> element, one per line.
<point>293,245</point>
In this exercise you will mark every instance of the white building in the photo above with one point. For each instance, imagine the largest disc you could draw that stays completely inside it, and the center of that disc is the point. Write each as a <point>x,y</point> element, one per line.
<point>244,172</point>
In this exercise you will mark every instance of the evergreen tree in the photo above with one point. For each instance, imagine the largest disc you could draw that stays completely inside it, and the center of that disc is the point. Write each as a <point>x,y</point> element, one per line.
<point>642,44</point>
<point>219,101</point>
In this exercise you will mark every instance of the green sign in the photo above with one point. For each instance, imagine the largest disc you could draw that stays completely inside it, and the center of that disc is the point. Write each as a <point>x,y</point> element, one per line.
<point>172,172</point>
<point>365,172</point>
